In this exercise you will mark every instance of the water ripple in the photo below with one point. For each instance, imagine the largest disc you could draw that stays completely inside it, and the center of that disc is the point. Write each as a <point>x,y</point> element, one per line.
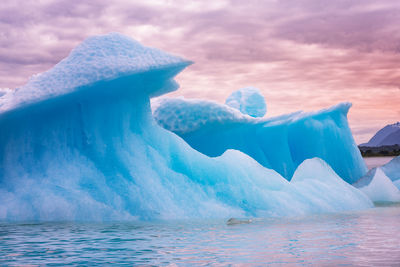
<point>369,238</point>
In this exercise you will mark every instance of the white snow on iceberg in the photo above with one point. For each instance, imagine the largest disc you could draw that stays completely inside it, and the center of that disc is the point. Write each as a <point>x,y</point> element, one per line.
<point>79,142</point>
<point>98,59</point>
<point>190,115</point>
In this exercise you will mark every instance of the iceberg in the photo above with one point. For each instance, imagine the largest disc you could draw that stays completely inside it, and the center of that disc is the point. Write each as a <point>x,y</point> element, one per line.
<point>397,184</point>
<point>381,188</point>
<point>79,142</point>
<point>280,143</point>
<point>249,101</point>
<point>391,170</point>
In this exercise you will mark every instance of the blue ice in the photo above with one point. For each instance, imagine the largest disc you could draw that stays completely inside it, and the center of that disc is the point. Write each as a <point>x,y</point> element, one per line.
<point>392,169</point>
<point>78,142</point>
<point>381,181</point>
<point>381,188</point>
<point>248,100</point>
<point>281,143</point>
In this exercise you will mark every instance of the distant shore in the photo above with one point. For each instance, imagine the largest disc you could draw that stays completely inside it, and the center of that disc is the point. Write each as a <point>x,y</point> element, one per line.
<point>380,151</point>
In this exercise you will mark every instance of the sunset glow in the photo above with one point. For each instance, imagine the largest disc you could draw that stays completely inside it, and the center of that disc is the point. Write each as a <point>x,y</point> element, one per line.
<point>302,55</point>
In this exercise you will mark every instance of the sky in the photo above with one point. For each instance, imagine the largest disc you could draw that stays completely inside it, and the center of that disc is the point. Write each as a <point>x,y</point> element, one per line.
<point>301,54</point>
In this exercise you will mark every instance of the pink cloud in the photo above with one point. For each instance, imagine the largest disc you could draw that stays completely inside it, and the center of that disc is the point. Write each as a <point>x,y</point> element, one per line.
<point>304,54</point>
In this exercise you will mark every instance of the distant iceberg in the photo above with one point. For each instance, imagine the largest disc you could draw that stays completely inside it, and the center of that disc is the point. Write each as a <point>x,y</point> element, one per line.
<point>79,142</point>
<point>390,170</point>
<point>280,143</point>
<point>381,188</point>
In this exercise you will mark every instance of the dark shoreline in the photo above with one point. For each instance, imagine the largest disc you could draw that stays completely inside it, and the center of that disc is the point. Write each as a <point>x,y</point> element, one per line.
<point>380,151</point>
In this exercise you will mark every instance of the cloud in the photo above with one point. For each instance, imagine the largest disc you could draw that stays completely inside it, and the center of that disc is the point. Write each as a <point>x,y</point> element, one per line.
<point>365,31</point>
<point>304,54</point>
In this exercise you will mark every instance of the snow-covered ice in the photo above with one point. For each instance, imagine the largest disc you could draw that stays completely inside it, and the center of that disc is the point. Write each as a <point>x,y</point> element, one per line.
<point>98,59</point>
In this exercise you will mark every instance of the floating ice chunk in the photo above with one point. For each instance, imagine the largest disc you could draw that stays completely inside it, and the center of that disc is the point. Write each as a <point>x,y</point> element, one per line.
<point>392,169</point>
<point>381,188</point>
<point>234,221</point>
<point>249,101</point>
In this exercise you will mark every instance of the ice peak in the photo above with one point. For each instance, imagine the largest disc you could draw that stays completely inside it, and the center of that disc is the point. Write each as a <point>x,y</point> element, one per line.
<point>97,59</point>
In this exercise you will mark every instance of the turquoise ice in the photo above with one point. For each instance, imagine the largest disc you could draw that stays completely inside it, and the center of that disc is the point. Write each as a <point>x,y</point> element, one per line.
<point>78,142</point>
<point>392,169</point>
<point>381,188</point>
<point>281,143</point>
<point>248,100</point>
<point>380,183</point>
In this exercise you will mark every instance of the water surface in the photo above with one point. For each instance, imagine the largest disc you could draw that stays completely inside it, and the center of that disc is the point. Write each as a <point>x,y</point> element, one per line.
<point>368,238</point>
<point>373,162</point>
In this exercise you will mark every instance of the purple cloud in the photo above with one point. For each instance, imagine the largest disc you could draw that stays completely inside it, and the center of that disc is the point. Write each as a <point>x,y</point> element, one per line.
<point>304,54</point>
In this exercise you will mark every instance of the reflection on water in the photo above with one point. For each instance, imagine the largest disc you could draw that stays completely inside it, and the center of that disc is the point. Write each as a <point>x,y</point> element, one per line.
<point>370,238</point>
<point>373,162</point>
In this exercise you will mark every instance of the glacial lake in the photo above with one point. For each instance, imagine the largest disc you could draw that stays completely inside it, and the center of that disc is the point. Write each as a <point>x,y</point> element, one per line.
<point>368,238</point>
<point>373,162</point>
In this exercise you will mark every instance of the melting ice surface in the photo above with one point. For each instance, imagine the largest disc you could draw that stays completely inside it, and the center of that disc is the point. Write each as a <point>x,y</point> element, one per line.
<point>79,142</point>
<point>281,143</point>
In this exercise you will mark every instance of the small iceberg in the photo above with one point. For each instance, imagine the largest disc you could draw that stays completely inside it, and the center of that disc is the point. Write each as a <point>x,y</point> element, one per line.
<point>233,221</point>
<point>381,188</point>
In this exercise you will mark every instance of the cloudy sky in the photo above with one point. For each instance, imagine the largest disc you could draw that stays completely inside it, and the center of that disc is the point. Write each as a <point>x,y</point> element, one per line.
<point>302,54</point>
